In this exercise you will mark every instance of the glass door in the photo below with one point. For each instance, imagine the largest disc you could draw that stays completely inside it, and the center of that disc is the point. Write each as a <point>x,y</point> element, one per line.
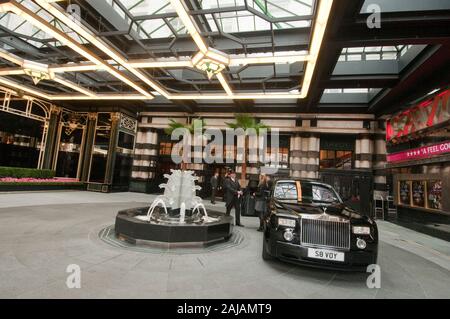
<point>100,149</point>
<point>69,151</point>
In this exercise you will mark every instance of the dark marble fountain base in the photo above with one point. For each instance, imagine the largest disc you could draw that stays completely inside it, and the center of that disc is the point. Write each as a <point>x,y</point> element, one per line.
<point>131,229</point>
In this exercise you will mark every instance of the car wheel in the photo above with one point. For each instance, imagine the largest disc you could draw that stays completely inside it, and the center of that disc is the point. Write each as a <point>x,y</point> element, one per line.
<point>265,254</point>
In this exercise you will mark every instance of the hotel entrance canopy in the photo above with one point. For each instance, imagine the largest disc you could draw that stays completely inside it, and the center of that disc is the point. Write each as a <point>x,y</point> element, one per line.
<point>286,55</point>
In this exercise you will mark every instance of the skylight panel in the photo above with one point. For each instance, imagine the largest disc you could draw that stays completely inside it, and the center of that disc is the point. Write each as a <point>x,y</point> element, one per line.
<point>390,56</point>
<point>372,49</point>
<point>213,4</point>
<point>156,28</point>
<point>178,25</point>
<point>147,7</point>
<point>354,57</point>
<point>359,90</point>
<point>374,53</point>
<point>288,8</point>
<point>373,57</point>
<point>355,50</point>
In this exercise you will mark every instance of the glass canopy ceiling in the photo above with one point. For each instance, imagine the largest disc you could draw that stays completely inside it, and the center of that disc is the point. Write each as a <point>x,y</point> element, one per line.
<point>374,53</point>
<point>124,25</point>
<point>285,14</point>
<point>228,20</point>
<point>33,35</point>
<point>266,45</point>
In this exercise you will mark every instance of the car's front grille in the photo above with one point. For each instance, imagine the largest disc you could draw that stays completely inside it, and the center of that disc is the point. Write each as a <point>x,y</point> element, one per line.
<point>325,233</point>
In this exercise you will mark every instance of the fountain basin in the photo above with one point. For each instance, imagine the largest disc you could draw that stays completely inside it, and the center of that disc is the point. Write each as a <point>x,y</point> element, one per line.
<point>131,226</point>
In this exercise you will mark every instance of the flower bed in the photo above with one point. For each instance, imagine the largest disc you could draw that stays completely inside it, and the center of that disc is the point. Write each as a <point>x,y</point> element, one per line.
<point>35,184</point>
<point>29,180</point>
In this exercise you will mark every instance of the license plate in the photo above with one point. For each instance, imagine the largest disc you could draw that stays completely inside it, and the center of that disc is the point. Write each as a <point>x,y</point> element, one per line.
<point>326,254</point>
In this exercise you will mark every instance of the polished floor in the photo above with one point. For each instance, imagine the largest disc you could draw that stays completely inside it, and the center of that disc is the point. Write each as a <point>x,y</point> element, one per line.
<point>42,233</point>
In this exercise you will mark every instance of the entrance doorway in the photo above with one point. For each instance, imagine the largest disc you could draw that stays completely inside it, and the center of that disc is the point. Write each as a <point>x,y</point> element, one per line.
<point>69,152</point>
<point>210,170</point>
<point>354,187</point>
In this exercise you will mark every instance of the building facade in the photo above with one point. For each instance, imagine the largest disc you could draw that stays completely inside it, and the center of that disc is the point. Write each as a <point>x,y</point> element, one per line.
<point>349,154</point>
<point>363,157</point>
<point>418,146</point>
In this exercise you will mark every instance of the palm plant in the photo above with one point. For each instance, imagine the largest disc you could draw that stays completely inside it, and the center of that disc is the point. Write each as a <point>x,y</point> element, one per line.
<point>174,125</point>
<point>246,122</point>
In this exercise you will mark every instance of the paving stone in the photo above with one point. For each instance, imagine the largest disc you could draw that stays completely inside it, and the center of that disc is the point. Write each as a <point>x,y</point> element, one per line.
<point>50,230</point>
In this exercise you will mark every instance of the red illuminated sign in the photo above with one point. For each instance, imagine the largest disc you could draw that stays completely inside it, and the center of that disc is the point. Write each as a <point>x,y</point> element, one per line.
<point>427,114</point>
<point>420,152</point>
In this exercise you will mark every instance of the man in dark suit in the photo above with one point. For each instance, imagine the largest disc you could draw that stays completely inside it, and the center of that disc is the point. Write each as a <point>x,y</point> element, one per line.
<point>214,185</point>
<point>233,194</point>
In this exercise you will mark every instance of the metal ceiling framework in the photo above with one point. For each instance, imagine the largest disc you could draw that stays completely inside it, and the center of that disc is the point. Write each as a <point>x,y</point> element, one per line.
<point>130,71</point>
<point>148,51</point>
<point>419,33</point>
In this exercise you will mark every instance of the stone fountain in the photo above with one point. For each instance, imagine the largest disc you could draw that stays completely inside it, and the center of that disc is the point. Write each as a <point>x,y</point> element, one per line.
<point>177,216</point>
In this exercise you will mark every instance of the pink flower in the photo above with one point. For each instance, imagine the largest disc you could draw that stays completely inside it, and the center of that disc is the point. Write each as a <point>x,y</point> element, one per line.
<point>37,180</point>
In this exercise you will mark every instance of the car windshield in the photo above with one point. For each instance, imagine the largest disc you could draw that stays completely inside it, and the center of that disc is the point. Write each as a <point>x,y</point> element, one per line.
<point>305,192</point>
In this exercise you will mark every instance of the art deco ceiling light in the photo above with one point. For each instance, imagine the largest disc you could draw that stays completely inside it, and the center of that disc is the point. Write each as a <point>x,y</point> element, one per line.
<point>37,71</point>
<point>209,66</point>
<point>212,62</point>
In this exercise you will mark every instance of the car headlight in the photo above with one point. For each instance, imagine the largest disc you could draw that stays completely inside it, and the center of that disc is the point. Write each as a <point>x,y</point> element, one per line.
<point>288,234</point>
<point>361,243</point>
<point>287,222</point>
<point>361,230</point>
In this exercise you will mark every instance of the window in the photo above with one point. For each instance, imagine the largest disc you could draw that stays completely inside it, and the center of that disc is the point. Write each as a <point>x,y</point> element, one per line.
<point>279,157</point>
<point>318,193</point>
<point>285,190</point>
<point>336,159</point>
<point>310,192</point>
<point>323,194</point>
<point>126,141</point>
<point>165,148</point>
<point>420,193</point>
<point>230,152</point>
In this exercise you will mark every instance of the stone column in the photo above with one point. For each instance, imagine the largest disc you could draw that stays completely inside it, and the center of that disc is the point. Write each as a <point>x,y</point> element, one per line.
<point>240,149</point>
<point>253,170</point>
<point>313,157</point>
<point>112,150</point>
<point>366,153</point>
<point>379,166</point>
<point>303,155</point>
<point>144,162</point>
<point>52,138</point>
<point>295,156</point>
<point>196,164</point>
<point>357,152</point>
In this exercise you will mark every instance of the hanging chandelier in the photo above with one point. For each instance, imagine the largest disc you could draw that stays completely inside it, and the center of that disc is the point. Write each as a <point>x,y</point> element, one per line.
<point>210,67</point>
<point>212,62</point>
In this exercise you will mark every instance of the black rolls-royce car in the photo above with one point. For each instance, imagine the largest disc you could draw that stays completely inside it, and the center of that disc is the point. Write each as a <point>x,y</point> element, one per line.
<point>309,224</point>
